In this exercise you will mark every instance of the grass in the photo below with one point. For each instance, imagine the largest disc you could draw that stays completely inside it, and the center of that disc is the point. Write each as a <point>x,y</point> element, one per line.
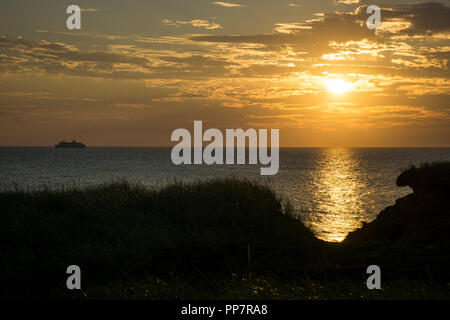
<point>251,286</point>
<point>227,239</point>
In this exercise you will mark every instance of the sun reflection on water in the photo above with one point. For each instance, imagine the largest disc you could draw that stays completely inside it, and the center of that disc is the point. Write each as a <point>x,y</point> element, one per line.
<point>338,195</point>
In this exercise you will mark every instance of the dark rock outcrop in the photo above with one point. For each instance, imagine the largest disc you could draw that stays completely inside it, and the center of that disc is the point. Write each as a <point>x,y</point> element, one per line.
<point>421,217</point>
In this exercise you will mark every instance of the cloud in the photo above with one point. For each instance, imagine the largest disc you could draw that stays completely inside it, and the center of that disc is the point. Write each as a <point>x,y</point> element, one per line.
<point>139,106</point>
<point>298,52</point>
<point>23,56</point>
<point>83,34</point>
<point>290,28</point>
<point>131,62</point>
<point>227,4</point>
<point>195,23</point>
<point>347,1</point>
<point>412,19</point>
<point>199,60</point>
<point>424,18</point>
<point>335,43</point>
<point>312,36</point>
<point>344,38</point>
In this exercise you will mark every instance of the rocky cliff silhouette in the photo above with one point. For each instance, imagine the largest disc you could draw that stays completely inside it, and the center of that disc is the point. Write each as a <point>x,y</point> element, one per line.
<point>422,217</point>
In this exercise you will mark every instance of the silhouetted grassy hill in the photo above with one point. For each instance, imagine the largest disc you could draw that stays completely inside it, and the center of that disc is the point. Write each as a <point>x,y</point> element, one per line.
<point>124,228</point>
<point>217,239</point>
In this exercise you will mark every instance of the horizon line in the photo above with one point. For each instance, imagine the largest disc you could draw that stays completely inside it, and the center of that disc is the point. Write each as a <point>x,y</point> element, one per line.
<point>281,147</point>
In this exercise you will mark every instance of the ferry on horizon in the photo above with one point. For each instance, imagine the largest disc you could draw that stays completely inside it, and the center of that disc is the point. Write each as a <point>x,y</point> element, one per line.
<point>73,144</point>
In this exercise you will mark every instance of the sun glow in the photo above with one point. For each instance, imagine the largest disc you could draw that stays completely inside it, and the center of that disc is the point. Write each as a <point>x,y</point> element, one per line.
<point>338,86</point>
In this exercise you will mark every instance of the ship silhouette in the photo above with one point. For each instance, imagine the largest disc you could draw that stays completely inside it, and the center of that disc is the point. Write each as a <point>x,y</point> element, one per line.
<point>73,144</point>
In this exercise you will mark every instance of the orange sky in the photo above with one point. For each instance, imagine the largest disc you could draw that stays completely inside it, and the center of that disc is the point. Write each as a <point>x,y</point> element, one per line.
<point>135,73</point>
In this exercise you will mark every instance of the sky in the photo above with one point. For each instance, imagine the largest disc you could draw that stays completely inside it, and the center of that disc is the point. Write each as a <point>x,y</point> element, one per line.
<point>139,69</point>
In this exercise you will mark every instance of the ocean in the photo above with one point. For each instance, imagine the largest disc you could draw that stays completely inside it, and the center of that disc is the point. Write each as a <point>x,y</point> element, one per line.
<point>332,190</point>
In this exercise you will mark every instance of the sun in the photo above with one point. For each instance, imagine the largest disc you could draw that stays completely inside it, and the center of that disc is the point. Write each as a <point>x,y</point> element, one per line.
<point>338,86</point>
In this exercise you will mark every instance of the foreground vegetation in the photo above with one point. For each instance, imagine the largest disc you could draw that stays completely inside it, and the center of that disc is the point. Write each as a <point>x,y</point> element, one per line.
<point>222,239</point>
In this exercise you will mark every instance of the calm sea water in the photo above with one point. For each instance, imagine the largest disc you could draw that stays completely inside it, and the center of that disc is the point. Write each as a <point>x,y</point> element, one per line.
<point>332,190</point>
